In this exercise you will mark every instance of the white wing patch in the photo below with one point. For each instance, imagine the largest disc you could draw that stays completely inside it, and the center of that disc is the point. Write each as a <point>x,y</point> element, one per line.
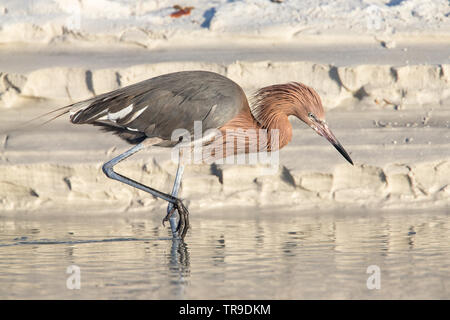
<point>136,114</point>
<point>77,109</point>
<point>120,114</point>
<point>104,118</point>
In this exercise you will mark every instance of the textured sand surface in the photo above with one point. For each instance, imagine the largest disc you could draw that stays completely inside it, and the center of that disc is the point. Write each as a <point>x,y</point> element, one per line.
<point>372,85</point>
<point>149,24</point>
<point>394,121</point>
<point>381,67</point>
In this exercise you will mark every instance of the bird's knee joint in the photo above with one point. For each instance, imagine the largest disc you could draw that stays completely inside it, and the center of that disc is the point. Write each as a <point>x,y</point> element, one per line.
<point>108,170</point>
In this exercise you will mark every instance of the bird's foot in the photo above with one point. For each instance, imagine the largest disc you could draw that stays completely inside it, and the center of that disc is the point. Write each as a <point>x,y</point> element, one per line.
<point>183,223</point>
<point>169,215</point>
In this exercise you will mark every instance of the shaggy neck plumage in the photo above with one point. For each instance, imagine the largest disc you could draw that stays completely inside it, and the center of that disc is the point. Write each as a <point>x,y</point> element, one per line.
<point>271,107</point>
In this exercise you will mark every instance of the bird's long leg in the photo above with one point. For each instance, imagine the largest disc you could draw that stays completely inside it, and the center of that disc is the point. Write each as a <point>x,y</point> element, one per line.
<point>175,189</point>
<point>108,169</point>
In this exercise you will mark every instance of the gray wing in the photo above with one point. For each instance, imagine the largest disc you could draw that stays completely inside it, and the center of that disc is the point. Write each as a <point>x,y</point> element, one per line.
<point>157,106</point>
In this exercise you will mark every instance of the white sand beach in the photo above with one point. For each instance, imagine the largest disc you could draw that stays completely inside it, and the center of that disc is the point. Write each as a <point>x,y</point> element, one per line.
<point>386,90</point>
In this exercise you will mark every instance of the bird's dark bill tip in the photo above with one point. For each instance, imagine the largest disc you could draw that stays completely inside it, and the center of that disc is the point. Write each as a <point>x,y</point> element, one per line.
<point>351,161</point>
<point>344,153</point>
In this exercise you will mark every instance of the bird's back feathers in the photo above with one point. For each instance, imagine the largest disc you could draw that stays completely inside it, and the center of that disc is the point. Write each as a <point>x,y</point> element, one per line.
<point>158,106</point>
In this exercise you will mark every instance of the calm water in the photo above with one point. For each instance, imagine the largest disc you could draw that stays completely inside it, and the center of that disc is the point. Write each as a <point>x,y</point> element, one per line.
<point>231,255</point>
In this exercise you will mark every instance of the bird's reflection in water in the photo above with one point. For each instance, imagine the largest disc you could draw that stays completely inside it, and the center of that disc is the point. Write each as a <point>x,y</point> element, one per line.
<point>179,266</point>
<point>232,256</point>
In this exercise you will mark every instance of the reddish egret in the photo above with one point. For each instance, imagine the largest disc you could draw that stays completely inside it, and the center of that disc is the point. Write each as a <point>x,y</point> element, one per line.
<point>146,113</point>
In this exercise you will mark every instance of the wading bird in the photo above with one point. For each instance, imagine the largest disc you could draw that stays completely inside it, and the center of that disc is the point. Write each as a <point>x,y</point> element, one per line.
<point>146,114</point>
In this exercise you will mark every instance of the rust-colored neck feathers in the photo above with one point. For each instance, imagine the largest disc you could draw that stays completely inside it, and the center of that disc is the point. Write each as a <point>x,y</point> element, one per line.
<point>271,107</point>
<point>270,103</point>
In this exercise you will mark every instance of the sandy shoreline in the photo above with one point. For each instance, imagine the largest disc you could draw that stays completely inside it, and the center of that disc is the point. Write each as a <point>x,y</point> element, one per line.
<point>382,69</point>
<point>405,163</point>
<point>390,108</point>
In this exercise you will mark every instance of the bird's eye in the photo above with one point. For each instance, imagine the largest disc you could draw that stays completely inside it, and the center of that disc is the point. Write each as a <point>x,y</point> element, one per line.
<point>311,115</point>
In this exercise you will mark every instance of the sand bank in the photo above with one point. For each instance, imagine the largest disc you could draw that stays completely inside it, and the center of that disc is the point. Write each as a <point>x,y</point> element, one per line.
<point>377,86</point>
<point>391,115</point>
<point>402,160</point>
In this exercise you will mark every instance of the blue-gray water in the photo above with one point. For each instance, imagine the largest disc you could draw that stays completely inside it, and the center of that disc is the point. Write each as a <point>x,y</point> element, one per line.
<point>227,256</point>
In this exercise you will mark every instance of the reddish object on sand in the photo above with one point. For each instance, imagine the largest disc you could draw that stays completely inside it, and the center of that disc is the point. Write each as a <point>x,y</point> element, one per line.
<point>181,11</point>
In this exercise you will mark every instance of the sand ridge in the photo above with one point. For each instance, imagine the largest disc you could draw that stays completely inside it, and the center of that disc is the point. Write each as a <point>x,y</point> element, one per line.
<point>403,164</point>
<point>376,86</point>
<point>386,90</point>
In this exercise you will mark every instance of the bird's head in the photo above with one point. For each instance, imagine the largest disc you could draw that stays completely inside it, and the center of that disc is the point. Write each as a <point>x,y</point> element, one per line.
<point>309,109</point>
<point>300,101</point>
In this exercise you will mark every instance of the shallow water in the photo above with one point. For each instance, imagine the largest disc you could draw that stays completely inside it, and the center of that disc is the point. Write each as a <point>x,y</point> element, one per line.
<point>227,256</point>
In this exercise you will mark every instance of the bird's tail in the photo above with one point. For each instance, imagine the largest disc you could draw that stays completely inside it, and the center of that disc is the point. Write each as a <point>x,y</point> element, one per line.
<point>36,122</point>
<point>47,117</point>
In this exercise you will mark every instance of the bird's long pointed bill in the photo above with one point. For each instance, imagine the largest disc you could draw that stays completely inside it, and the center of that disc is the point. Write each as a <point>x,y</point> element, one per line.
<point>326,132</point>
